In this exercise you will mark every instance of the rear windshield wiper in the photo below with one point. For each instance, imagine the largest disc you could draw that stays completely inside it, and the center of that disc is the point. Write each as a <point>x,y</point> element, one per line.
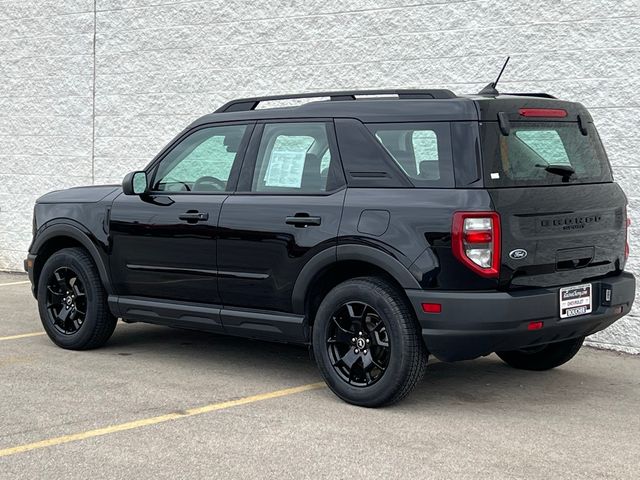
<point>565,171</point>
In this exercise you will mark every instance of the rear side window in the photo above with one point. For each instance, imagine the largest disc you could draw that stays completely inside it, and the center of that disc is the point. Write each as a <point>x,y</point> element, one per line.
<point>295,158</point>
<point>421,150</point>
<point>528,155</point>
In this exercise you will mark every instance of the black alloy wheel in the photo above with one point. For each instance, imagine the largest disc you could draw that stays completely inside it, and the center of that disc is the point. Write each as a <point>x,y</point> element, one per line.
<point>66,301</point>
<point>358,344</point>
<point>367,342</point>
<point>72,301</point>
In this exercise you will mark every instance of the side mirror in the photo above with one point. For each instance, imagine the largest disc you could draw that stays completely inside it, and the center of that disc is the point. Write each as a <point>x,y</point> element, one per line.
<point>135,183</point>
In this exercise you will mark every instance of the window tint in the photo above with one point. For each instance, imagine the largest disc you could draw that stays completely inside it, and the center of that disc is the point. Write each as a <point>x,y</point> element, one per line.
<point>201,162</point>
<point>293,157</point>
<point>545,143</point>
<point>425,149</point>
<point>522,157</point>
<point>421,150</point>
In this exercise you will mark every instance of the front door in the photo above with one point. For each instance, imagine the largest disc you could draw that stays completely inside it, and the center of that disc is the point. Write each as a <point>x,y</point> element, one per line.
<point>286,210</point>
<point>164,243</point>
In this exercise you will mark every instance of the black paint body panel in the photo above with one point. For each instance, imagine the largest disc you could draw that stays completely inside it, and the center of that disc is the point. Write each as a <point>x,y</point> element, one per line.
<point>155,254</point>
<point>557,224</point>
<point>418,233</point>
<point>255,240</point>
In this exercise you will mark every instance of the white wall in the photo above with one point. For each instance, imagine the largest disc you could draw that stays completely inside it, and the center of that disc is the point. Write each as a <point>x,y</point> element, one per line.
<point>75,109</point>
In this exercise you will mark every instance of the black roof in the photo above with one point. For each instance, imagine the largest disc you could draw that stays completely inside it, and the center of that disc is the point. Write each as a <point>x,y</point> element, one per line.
<point>398,105</point>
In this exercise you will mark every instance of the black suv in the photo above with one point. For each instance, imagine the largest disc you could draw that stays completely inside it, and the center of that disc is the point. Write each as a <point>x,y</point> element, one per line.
<point>376,226</point>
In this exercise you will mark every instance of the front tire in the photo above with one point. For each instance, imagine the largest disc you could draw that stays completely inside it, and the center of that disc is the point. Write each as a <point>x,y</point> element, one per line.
<point>367,343</point>
<point>541,358</point>
<point>73,302</point>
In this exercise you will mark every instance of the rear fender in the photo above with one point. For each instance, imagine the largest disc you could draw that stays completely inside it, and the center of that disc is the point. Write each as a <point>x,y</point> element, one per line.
<point>361,253</point>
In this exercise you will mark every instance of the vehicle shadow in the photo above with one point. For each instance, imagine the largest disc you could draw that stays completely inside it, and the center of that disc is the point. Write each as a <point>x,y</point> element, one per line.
<point>481,381</point>
<point>488,380</point>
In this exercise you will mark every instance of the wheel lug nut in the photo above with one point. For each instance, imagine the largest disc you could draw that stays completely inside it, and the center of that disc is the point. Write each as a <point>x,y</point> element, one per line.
<point>357,351</point>
<point>353,340</point>
<point>360,334</point>
<point>364,351</point>
<point>368,340</point>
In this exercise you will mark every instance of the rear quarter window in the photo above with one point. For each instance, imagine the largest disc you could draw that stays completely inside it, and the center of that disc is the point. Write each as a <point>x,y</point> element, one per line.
<point>421,150</point>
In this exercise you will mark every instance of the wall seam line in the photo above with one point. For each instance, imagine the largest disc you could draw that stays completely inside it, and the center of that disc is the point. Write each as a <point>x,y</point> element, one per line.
<point>93,99</point>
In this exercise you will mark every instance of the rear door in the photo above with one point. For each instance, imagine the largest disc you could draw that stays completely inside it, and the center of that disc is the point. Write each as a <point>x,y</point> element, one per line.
<point>286,210</point>
<point>563,220</point>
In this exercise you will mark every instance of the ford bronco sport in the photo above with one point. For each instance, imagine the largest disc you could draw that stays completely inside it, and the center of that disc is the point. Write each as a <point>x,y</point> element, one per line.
<point>377,226</point>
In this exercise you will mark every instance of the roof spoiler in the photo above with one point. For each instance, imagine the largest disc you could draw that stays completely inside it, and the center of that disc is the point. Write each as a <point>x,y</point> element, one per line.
<point>540,94</point>
<point>491,91</point>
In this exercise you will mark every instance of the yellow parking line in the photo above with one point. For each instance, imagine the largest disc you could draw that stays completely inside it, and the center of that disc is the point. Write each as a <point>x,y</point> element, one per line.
<point>14,283</point>
<point>159,419</point>
<point>22,335</point>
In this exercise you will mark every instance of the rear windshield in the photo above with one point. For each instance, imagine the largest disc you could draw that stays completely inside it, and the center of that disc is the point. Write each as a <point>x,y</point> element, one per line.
<point>542,153</point>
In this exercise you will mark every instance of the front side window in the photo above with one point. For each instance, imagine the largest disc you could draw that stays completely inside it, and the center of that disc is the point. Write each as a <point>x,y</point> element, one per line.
<point>201,162</point>
<point>294,158</point>
<point>421,150</point>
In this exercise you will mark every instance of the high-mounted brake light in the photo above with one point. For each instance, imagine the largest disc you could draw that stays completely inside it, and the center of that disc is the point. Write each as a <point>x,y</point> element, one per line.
<point>542,112</point>
<point>475,241</point>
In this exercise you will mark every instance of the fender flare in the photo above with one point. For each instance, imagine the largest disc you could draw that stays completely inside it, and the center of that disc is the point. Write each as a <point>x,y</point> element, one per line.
<point>362,253</point>
<point>77,233</point>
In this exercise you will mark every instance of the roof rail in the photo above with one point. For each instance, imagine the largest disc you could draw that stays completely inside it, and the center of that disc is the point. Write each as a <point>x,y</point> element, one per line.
<point>542,95</point>
<point>246,104</point>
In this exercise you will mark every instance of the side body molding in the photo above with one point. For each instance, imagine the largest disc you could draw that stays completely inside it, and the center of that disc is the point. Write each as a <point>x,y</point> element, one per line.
<point>362,253</point>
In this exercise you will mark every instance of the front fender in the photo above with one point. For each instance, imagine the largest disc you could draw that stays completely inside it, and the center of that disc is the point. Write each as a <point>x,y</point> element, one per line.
<point>77,232</point>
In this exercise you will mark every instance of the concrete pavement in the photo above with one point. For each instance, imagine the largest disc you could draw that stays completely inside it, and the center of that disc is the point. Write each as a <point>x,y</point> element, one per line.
<point>476,419</point>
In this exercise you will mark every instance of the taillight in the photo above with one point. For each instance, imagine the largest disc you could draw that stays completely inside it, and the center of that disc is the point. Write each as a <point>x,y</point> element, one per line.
<point>475,241</point>
<point>626,234</point>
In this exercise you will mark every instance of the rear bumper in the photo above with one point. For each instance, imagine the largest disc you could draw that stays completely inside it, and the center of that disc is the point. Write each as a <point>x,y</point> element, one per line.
<point>473,324</point>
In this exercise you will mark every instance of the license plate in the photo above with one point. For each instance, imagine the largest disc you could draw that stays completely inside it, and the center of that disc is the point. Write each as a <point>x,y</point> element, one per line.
<point>575,300</point>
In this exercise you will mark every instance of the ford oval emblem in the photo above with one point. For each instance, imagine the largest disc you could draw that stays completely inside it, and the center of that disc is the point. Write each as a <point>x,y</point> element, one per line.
<point>518,253</point>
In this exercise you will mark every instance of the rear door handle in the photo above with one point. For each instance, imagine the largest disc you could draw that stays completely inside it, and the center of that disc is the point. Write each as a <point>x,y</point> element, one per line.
<point>194,217</point>
<point>303,221</point>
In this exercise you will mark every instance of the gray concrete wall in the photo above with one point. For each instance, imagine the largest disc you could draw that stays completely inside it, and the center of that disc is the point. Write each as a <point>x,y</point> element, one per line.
<point>91,90</point>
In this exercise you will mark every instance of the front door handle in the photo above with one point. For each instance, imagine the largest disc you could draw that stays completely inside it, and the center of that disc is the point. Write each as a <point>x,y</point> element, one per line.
<point>303,221</point>
<point>194,217</point>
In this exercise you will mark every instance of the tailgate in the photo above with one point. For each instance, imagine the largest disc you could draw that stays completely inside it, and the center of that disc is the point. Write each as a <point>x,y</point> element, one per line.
<point>559,235</point>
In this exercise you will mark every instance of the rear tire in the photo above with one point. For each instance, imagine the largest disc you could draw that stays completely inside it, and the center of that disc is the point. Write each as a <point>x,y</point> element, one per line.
<point>367,344</point>
<point>542,358</point>
<point>73,302</point>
